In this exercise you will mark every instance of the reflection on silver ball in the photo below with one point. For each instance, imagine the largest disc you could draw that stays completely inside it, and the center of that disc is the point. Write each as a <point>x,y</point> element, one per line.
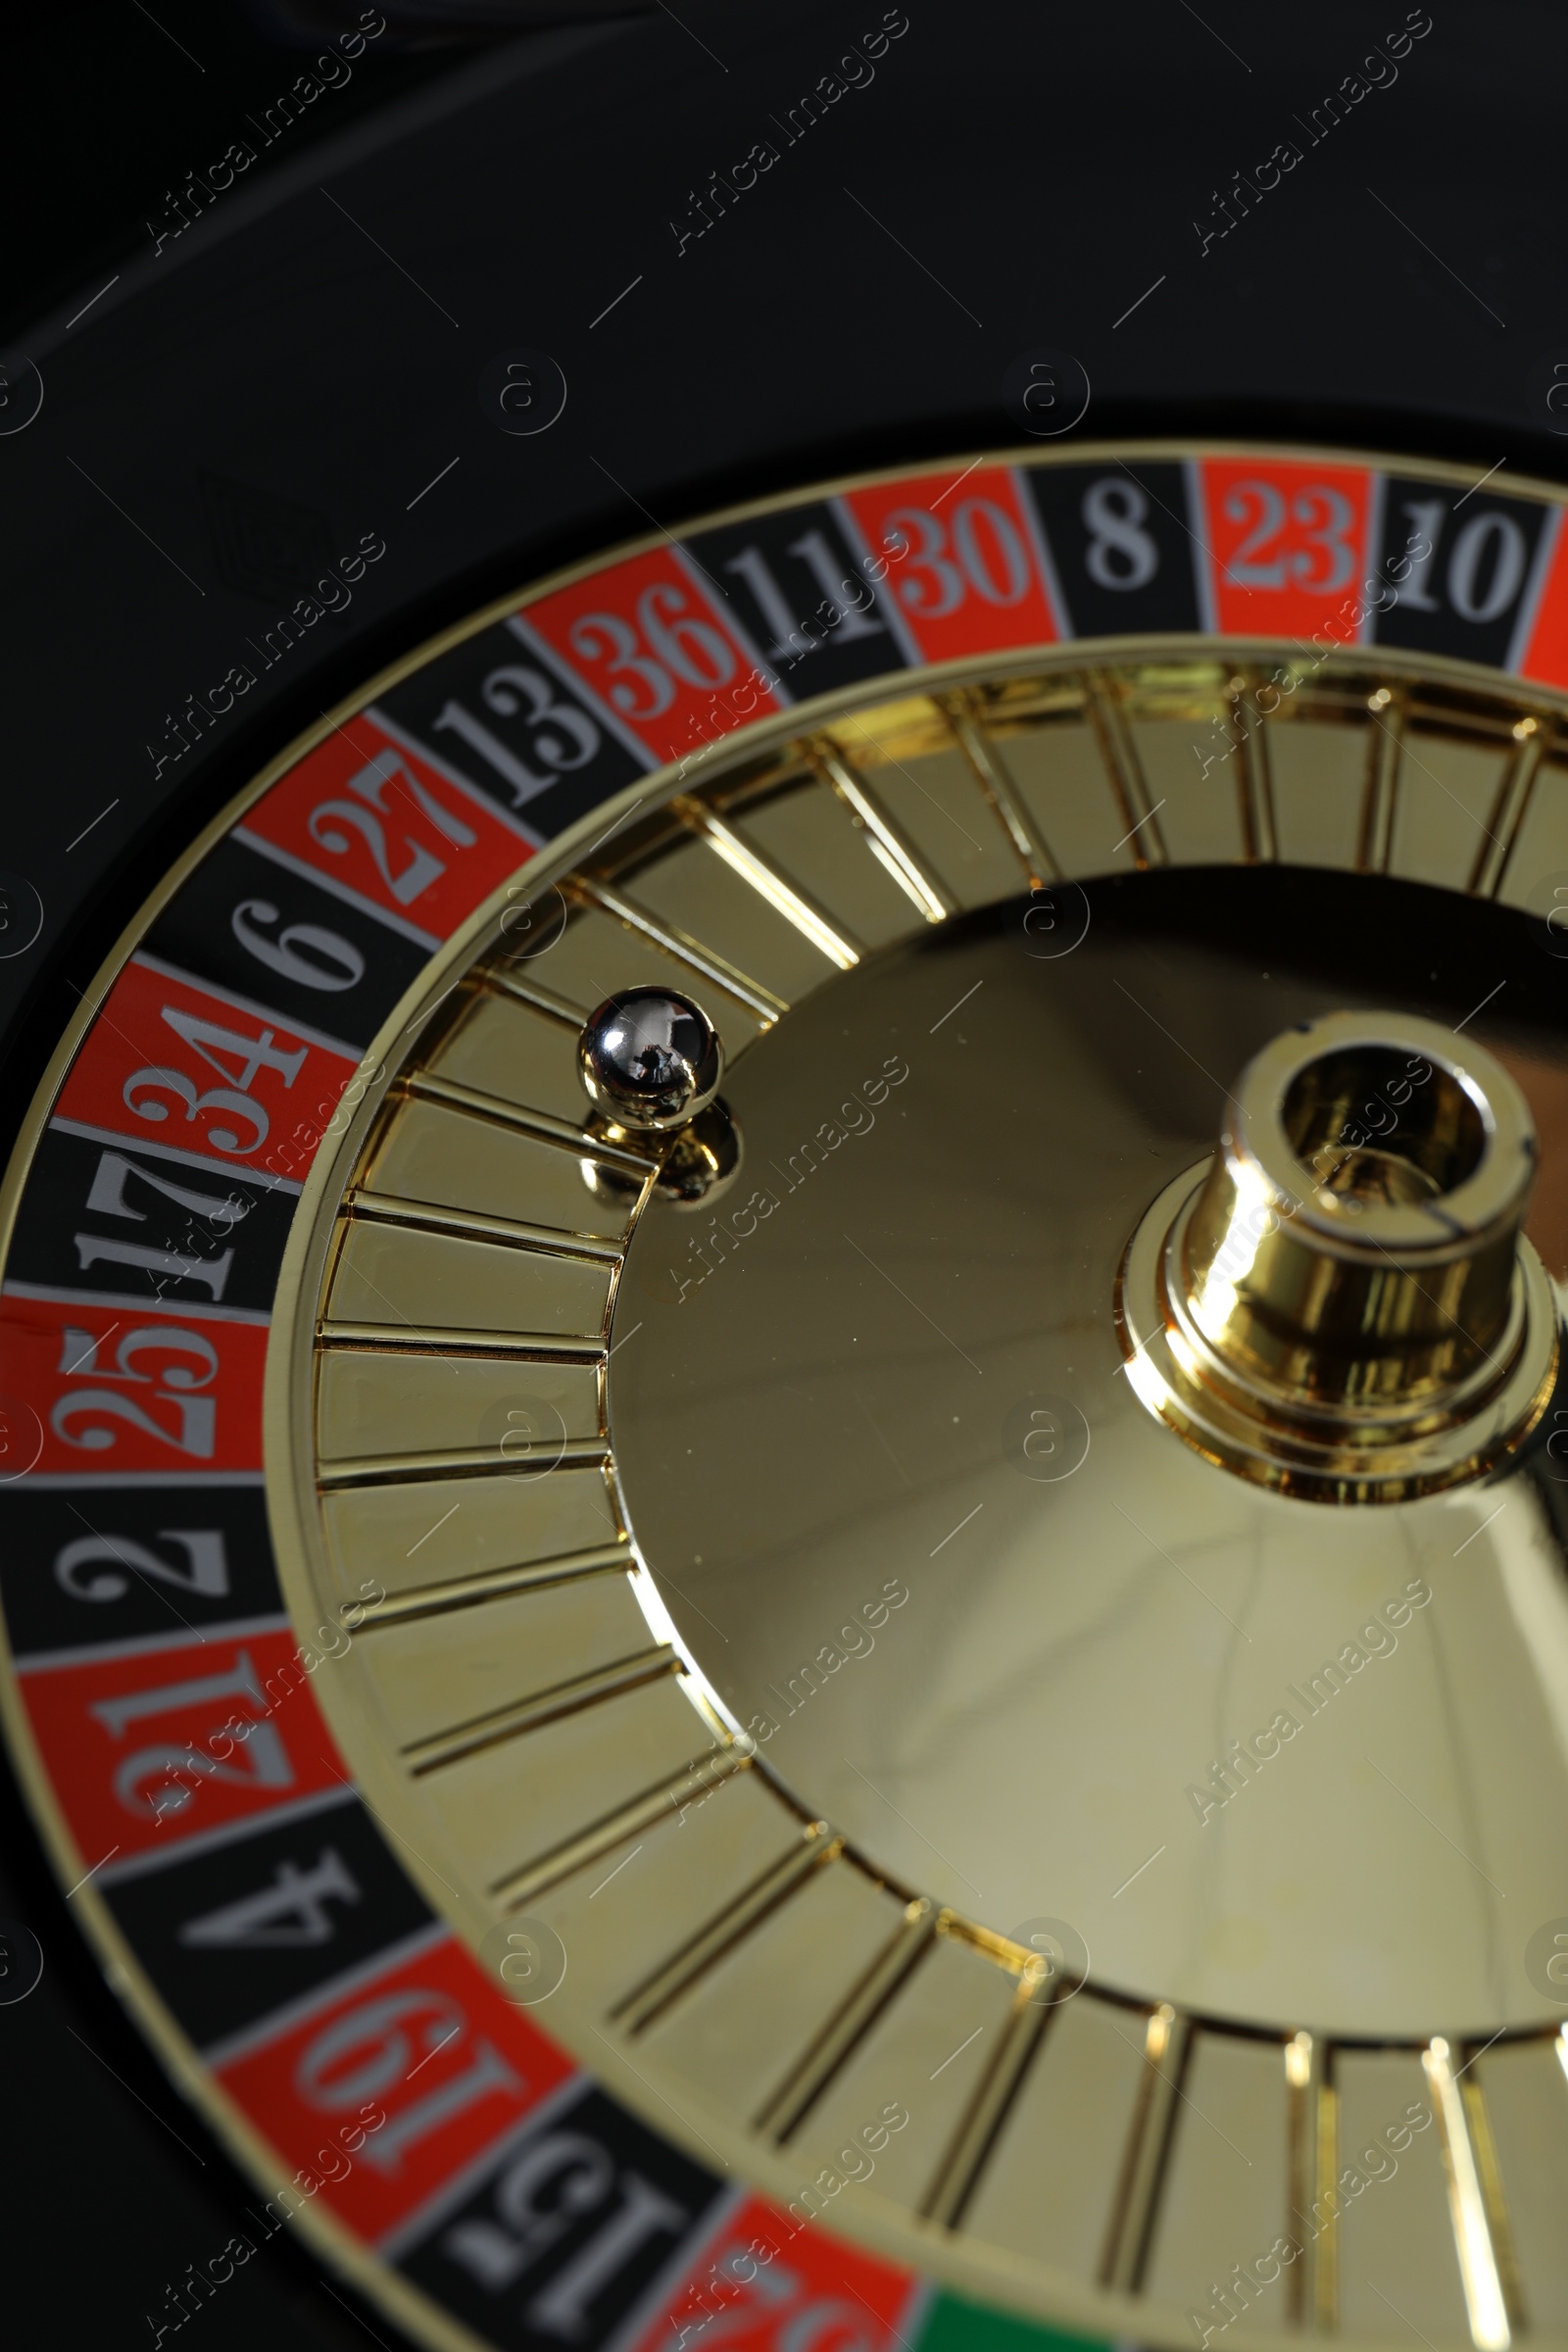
<point>702,1161</point>
<point>649,1059</point>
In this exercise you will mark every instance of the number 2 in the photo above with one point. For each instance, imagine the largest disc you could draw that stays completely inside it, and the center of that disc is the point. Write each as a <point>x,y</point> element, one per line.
<point>405,886</point>
<point>207,1572</point>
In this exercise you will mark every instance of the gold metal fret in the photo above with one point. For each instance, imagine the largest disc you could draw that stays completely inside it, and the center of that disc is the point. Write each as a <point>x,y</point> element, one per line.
<point>506,981</point>
<point>1533,739</point>
<point>428,1340</point>
<point>423,1086</point>
<point>428,1216</point>
<point>1144,834</point>
<point>647,2002</point>
<point>707,962</point>
<point>1486,2298</point>
<point>888,838</point>
<point>1168,2041</point>
<point>783,2113</point>
<point>462,1461</point>
<point>990,772</point>
<point>524,1886</point>
<point>1253,783</point>
<point>1310,2181</point>
<point>490,1584</point>
<point>771,885</point>
<point>964,2160</point>
<point>1388,709</point>
<point>528,1714</point>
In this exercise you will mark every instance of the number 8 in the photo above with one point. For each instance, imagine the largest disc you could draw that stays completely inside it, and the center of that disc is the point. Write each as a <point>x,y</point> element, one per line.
<point>1113,511</point>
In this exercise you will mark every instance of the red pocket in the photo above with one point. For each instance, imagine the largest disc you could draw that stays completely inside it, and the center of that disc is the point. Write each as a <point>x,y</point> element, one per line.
<point>430,2047</point>
<point>372,816</point>
<point>170,1061</point>
<point>114,1388</point>
<point>765,2283</point>
<point>651,641</point>
<point>1286,546</point>
<point>156,1744</point>
<point>963,561</point>
<point>1546,652</point>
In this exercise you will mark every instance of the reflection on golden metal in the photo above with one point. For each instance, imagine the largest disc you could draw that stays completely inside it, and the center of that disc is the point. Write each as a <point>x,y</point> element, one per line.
<point>889,842</point>
<point>1102,706</point>
<point>546,1707</point>
<point>696,1163</point>
<point>1388,708</point>
<point>1483,2297</point>
<point>706,961</point>
<point>786,898</point>
<point>1168,2042</point>
<point>520,1887</point>
<point>990,772</point>
<point>428,1216</point>
<point>786,2109</point>
<point>702,1159</point>
<point>964,2160</point>
<point>1533,737</point>
<point>1343,1304</point>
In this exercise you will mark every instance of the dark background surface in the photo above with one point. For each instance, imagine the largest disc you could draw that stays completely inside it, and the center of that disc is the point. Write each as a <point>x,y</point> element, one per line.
<point>1014,176</point>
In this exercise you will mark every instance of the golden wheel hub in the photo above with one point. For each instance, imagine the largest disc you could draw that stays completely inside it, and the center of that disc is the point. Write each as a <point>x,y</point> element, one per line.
<point>1347,1320</point>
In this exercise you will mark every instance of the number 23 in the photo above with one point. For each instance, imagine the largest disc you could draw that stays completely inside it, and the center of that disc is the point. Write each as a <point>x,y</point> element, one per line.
<point>1325,516</point>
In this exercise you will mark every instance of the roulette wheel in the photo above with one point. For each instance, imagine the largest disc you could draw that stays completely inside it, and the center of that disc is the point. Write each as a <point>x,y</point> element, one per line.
<point>783,1508</point>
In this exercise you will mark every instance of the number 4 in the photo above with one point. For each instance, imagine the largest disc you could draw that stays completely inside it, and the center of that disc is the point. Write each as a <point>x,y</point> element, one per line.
<point>253,1053</point>
<point>289,1914</point>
